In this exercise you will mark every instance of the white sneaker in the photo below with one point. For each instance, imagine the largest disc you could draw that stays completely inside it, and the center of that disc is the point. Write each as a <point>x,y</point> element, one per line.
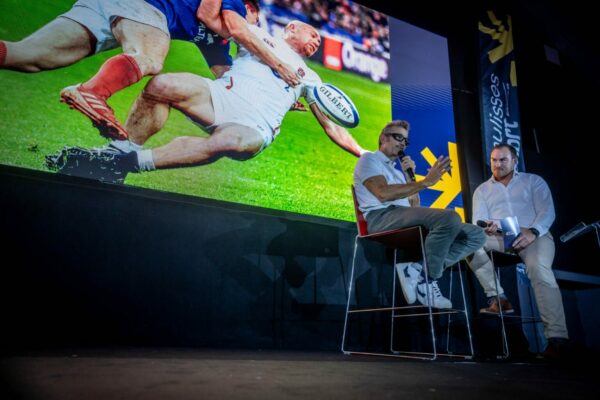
<point>409,274</point>
<point>439,301</point>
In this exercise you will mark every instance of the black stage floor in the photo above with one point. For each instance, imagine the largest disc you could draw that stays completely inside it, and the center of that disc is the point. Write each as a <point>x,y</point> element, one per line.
<point>232,374</point>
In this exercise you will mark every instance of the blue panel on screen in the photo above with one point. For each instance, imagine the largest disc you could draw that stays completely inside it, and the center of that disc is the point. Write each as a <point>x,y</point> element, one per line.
<point>421,94</point>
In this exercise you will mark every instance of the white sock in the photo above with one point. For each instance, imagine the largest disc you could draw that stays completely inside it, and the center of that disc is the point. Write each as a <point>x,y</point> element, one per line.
<point>145,160</point>
<point>125,146</point>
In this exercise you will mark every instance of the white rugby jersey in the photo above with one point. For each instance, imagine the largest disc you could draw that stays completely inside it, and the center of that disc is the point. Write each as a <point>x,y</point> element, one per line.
<point>249,65</point>
<point>260,96</point>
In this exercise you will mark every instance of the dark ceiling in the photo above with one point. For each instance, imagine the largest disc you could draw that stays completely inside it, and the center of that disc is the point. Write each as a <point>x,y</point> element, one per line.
<point>569,27</point>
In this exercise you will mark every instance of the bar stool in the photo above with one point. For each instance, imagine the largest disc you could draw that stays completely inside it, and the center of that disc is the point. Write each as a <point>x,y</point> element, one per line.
<point>406,238</point>
<point>502,260</point>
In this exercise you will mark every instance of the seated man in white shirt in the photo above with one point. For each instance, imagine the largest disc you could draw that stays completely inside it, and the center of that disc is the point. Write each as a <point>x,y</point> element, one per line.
<point>510,193</point>
<point>389,200</point>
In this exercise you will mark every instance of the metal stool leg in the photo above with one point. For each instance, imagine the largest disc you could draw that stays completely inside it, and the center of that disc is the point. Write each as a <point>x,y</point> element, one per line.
<point>464,311</point>
<point>505,350</point>
<point>429,298</point>
<point>413,354</point>
<point>449,315</point>
<point>350,284</point>
<point>393,302</point>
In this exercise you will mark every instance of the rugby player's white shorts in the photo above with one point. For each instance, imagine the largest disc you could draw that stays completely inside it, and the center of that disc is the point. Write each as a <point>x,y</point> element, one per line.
<point>99,15</point>
<point>238,105</point>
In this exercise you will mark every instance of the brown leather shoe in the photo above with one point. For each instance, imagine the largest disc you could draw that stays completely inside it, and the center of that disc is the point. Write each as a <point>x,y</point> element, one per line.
<point>493,307</point>
<point>557,349</point>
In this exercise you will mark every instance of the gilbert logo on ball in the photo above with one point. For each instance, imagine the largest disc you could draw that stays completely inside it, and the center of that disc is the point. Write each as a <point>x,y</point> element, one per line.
<point>336,105</point>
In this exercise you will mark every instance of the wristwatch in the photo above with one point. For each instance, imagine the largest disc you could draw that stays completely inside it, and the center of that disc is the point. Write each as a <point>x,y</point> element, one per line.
<point>535,232</point>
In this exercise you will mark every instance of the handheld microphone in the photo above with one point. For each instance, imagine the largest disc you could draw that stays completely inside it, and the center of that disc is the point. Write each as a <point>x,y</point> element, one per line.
<point>484,224</point>
<point>409,171</point>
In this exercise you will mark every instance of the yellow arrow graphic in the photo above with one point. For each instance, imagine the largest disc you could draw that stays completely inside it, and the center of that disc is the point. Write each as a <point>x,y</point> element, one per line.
<point>501,34</point>
<point>449,185</point>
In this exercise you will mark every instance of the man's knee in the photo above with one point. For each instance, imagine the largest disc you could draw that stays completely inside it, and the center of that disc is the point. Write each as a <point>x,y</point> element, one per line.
<point>153,68</point>
<point>149,65</point>
<point>240,148</point>
<point>236,142</point>
<point>479,259</point>
<point>159,87</point>
<point>242,155</point>
<point>452,217</point>
<point>540,274</point>
<point>449,218</point>
<point>476,234</point>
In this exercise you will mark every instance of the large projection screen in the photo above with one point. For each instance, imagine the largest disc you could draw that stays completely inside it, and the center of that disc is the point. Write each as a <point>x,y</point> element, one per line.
<point>402,75</point>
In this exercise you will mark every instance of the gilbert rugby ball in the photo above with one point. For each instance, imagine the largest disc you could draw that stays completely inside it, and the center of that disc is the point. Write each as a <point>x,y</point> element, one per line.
<point>336,105</point>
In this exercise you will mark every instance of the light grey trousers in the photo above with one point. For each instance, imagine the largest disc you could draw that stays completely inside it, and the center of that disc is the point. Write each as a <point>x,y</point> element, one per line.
<point>448,241</point>
<point>538,257</point>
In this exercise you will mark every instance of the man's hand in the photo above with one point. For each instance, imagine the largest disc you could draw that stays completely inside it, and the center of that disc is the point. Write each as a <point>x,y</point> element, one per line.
<point>297,106</point>
<point>439,168</point>
<point>238,28</point>
<point>287,73</point>
<point>209,13</point>
<point>491,228</point>
<point>524,239</point>
<point>407,163</point>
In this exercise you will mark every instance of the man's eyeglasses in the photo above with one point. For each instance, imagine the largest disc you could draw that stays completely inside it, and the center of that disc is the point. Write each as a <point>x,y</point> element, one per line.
<point>400,138</point>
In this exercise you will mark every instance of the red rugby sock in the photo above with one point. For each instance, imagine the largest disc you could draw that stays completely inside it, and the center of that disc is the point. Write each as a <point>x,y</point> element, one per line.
<point>116,73</point>
<point>2,52</point>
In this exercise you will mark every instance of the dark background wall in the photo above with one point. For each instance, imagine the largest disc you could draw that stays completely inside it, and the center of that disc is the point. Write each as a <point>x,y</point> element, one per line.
<point>96,265</point>
<point>93,264</point>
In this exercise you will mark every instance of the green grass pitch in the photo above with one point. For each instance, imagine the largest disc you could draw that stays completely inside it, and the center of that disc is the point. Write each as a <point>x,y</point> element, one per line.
<point>302,171</point>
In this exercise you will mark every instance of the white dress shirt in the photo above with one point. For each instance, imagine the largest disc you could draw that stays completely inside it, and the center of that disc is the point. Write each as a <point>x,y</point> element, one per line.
<point>527,197</point>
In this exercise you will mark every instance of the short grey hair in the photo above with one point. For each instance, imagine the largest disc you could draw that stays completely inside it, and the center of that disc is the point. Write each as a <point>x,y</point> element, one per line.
<point>398,123</point>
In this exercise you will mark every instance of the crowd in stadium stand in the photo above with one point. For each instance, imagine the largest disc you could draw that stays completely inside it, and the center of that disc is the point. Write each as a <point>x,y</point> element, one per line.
<point>343,18</point>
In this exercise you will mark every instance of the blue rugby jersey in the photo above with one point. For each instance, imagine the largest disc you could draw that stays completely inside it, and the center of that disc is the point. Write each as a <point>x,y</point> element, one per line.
<point>184,25</point>
<point>182,21</point>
